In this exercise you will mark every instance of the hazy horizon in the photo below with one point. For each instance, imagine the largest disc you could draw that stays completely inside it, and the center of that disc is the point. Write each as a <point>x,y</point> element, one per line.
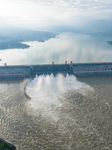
<point>61,15</point>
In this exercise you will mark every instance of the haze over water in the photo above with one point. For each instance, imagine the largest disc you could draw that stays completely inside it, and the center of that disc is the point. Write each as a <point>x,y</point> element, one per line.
<point>78,48</point>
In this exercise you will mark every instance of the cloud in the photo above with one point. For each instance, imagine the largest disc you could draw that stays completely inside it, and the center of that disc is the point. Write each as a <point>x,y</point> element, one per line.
<point>40,13</point>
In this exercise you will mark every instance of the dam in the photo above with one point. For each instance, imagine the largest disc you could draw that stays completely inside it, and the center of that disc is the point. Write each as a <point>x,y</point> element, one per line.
<point>77,69</point>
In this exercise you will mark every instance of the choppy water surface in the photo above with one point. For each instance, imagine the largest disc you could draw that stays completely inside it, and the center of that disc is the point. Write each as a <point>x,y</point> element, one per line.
<point>63,113</point>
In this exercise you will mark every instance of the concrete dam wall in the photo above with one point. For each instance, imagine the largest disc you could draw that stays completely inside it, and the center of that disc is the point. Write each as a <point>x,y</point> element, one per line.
<point>77,69</point>
<point>92,69</point>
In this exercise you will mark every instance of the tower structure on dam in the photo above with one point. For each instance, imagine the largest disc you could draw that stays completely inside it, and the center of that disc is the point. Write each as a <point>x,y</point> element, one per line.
<point>77,69</point>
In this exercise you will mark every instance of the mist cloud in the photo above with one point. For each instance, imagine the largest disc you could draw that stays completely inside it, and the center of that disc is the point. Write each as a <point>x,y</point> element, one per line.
<point>47,13</point>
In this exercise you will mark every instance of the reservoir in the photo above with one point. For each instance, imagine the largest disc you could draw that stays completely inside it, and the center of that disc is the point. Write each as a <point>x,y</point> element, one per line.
<point>79,48</point>
<point>63,112</point>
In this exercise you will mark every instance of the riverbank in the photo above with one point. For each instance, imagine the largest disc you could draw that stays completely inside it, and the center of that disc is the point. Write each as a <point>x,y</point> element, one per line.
<point>109,42</point>
<point>6,145</point>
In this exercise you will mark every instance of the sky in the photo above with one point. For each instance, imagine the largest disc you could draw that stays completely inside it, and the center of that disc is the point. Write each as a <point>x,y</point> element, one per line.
<point>43,14</point>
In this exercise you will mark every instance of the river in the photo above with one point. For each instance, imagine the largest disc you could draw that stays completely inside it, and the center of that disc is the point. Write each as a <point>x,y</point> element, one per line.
<point>66,113</point>
<point>78,48</point>
<point>59,115</point>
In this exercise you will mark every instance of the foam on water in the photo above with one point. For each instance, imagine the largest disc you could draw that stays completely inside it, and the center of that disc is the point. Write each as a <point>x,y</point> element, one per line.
<point>46,92</point>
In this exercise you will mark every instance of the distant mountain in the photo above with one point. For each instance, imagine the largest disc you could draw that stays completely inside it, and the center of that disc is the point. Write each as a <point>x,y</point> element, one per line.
<point>12,37</point>
<point>26,35</point>
<point>90,26</point>
<point>12,45</point>
<point>4,38</point>
<point>109,42</point>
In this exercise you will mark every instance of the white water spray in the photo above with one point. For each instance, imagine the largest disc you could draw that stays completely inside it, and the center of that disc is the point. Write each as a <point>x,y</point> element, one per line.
<point>46,92</point>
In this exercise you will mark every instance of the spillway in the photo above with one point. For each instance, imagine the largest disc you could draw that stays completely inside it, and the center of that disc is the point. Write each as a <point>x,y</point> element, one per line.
<point>77,69</point>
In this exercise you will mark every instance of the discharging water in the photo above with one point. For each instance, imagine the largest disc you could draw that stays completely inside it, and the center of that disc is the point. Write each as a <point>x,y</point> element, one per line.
<point>49,94</point>
<point>66,113</point>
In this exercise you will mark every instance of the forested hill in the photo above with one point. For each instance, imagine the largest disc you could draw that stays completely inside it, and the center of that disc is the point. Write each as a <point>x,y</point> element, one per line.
<point>12,38</point>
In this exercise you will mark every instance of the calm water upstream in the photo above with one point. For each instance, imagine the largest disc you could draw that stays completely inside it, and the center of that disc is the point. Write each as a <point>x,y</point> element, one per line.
<point>65,47</point>
<point>64,113</point>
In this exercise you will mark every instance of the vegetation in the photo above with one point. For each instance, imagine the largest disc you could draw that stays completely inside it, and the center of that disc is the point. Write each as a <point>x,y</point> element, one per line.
<point>4,145</point>
<point>110,42</point>
<point>13,38</point>
<point>12,45</point>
